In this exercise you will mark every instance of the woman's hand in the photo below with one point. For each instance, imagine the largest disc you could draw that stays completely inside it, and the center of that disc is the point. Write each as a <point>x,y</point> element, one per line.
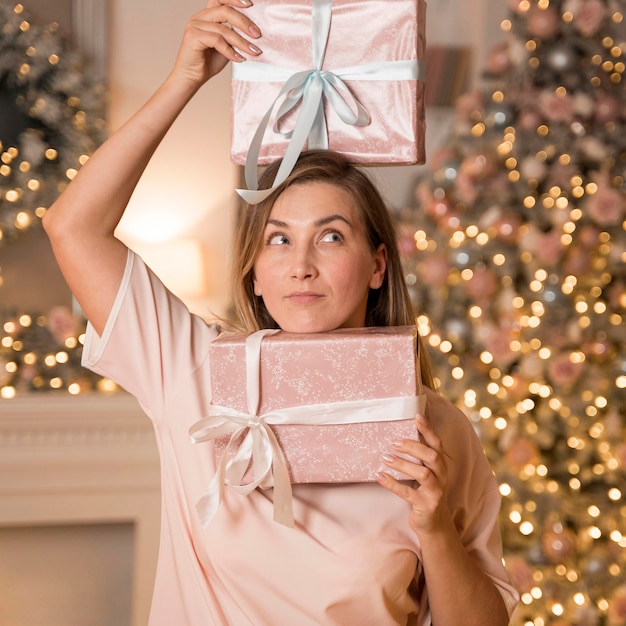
<point>210,41</point>
<point>429,511</point>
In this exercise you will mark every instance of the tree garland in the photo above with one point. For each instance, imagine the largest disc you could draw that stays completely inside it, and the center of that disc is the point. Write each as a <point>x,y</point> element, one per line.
<point>51,118</point>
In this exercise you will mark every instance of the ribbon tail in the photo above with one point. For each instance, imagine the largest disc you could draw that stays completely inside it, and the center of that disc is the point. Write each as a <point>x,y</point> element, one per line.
<point>209,503</point>
<point>310,103</point>
<point>283,495</point>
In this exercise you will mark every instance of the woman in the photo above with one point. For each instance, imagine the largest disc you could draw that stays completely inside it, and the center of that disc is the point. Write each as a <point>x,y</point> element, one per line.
<point>319,254</point>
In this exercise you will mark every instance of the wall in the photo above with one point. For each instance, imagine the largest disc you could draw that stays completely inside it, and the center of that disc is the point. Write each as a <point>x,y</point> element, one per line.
<point>188,188</point>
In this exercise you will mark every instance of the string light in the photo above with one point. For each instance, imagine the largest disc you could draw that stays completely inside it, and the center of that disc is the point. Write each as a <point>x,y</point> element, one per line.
<point>538,363</point>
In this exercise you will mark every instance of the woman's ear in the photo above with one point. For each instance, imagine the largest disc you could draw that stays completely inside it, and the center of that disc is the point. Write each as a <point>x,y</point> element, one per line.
<point>380,267</point>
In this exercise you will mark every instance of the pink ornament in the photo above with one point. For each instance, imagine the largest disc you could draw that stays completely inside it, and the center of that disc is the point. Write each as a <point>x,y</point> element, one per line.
<point>555,107</point>
<point>441,157</point>
<point>577,262</point>
<point>529,120</point>
<point>588,15</point>
<point>469,104</point>
<point>549,247</point>
<point>558,546</point>
<point>439,207</point>
<point>434,270</point>
<point>616,615</point>
<point>507,227</point>
<point>562,371</point>
<point>477,166</point>
<point>466,188</point>
<point>589,236</point>
<point>542,23</point>
<point>62,324</point>
<point>498,343</point>
<point>520,453</point>
<point>607,206</point>
<point>607,109</point>
<point>482,285</point>
<point>424,194</point>
<point>406,240</point>
<point>499,59</point>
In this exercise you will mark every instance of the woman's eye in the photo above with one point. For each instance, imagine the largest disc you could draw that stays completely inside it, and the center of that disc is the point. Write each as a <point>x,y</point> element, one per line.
<point>277,239</point>
<point>332,237</point>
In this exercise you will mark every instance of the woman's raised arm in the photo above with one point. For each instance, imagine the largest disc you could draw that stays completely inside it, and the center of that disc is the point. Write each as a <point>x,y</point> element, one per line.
<point>81,223</point>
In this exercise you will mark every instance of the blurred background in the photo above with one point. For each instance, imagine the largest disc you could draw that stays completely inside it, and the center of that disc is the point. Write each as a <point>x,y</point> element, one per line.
<point>513,242</point>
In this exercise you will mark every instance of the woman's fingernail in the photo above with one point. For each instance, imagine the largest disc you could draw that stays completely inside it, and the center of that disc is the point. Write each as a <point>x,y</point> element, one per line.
<point>388,458</point>
<point>239,57</point>
<point>254,31</point>
<point>246,3</point>
<point>421,419</point>
<point>381,477</point>
<point>396,444</point>
<point>254,49</point>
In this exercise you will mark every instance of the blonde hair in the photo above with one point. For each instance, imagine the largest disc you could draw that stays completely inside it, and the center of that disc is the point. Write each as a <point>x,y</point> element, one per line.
<point>389,305</point>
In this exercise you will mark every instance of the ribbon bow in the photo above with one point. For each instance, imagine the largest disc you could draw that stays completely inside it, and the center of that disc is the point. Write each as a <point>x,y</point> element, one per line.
<point>307,89</point>
<point>260,446</point>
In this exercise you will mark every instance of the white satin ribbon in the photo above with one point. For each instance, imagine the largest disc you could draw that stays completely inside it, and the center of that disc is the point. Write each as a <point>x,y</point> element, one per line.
<point>260,446</point>
<point>307,89</point>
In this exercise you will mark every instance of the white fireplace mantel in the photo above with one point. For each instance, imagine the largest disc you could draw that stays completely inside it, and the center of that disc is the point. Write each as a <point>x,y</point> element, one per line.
<point>86,459</point>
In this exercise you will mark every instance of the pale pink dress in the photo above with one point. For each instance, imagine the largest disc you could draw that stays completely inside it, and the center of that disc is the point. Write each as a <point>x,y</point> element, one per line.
<point>351,559</point>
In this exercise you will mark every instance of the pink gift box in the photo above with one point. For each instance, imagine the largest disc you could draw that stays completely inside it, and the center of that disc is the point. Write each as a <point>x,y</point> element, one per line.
<point>343,366</point>
<point>361,33</point>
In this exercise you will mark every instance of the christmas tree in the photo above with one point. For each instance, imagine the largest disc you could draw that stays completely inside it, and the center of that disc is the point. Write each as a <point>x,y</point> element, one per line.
<point>516,252</point>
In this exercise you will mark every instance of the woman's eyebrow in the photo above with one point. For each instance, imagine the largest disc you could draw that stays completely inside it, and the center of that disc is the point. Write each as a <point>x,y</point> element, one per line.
<point>321,222</point>
<point>331,218</point>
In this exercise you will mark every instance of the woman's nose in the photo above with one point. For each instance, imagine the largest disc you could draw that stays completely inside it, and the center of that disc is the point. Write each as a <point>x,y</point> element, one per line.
<point>303,263</point>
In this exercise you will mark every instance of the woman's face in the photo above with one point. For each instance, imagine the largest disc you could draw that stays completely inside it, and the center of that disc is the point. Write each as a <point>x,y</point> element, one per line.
<point>315,268</point>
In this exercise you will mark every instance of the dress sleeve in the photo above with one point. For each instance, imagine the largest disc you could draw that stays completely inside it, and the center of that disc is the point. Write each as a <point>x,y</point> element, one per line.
<point>150,342</point>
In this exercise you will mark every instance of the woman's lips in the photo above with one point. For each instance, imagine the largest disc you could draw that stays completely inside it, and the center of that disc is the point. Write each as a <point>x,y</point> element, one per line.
<point>304,297</point>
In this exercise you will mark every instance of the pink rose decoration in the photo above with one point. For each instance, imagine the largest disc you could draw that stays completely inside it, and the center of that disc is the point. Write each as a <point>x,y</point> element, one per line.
<point>434,270</point>
<point>556,108</point>
<point>616,615</point>
<point>507,227</point>
<point>588,15</point>
<point>406,240</point>
<point>468,104</point>
<point>521,452</point>
<point>549,248</point>
<point>529,120</point>
<point>589,236</point>
<point>543,23</point>
<point>499,59</point>
<point>477,166</point>
<point>562,371</point>
<point>607,109</point>
<point>466,188</point>
<point>498,343</point>
<point>559,546</point>
<point>62,324</point>
<point>607,206</point>
<point>482,285</point>
<point>577,261</point>
<point>424,194</point>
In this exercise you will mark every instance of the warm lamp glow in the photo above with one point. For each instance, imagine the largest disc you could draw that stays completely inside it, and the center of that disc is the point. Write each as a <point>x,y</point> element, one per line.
<point>179,263</point>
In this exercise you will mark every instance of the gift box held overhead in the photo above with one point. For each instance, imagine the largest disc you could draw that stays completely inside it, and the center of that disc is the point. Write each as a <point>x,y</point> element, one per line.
<point>307,408</point>
<point>340,74</point>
